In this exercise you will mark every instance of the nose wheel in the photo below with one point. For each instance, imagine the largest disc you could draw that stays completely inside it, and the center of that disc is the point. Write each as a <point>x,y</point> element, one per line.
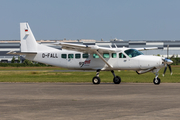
<point>157,81</point>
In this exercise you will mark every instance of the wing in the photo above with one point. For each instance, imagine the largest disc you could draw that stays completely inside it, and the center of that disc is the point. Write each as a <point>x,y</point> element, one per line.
<point>91,48</point>
<point>86,48</point>
<point>148,48</point>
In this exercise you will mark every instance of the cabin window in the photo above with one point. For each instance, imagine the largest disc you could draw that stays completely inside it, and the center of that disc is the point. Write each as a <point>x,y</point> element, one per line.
<point>70,55</point>
<point>64,56</point>
<point>113,55</point>
<point>85,55</point>
<point>95,56</point>
<point>77,56</point>
<point>121,55</point>
<point>106,55</point>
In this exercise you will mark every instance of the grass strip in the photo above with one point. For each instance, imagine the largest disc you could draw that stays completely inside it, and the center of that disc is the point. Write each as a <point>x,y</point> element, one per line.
<point>47,74</point>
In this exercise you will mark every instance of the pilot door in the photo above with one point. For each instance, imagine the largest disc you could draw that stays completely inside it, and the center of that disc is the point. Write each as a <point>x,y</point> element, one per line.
<point>123,61</point>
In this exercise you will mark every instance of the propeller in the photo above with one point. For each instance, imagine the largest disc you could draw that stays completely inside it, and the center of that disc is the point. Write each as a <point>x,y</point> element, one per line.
<point>167,61</point>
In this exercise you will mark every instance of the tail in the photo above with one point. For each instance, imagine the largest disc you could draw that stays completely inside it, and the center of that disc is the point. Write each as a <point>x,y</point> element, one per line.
<point>28,42</point>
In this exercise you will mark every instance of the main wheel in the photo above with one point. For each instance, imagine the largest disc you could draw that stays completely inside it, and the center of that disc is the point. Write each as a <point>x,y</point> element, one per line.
<point>96,80</point>
<point>157,81</point>
<point>117,80</point>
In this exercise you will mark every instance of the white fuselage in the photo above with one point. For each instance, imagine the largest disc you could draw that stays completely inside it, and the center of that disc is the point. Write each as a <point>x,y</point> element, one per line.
<point>55,57</point>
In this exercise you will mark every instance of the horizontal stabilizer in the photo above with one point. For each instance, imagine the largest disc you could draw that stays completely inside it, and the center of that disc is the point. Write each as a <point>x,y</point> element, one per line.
<point>20,53</point>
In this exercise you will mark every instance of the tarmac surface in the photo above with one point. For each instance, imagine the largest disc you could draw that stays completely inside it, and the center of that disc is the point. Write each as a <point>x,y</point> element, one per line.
<point>85,101</point>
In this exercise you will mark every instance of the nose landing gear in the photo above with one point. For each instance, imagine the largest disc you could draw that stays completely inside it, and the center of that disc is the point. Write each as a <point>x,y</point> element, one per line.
<point>156,80</point>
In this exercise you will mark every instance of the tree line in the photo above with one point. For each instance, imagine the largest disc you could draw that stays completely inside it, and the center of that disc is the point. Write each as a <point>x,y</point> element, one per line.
<point>25,63</point>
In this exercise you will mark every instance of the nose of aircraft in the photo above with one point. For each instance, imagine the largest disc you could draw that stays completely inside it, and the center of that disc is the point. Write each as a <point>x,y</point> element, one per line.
<point>167,61</point>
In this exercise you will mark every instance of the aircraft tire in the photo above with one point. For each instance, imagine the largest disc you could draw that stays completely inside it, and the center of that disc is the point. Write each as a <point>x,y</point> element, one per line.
<point>117,80</point>
<point>96,80</point>
<point>157,81</point>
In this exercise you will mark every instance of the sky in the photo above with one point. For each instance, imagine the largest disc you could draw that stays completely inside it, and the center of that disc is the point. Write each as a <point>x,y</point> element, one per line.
<point>92,19</point>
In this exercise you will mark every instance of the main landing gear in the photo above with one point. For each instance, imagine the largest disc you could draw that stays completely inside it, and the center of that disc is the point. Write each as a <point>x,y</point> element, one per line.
<point>97,80</point>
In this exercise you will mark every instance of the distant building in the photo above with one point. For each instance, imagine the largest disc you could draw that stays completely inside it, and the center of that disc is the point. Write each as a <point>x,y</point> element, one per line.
<point>115,39</point>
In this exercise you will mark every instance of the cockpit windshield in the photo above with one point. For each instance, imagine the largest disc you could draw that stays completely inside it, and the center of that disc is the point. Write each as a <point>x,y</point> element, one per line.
<point>133,53</point>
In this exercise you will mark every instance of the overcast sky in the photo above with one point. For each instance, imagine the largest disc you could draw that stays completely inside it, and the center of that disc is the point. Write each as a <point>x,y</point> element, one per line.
<point>92,19</point>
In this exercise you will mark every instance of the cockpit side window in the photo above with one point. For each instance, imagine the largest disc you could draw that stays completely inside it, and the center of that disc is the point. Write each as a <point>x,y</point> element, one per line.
<point>121,55</point>
<point>133,53</point>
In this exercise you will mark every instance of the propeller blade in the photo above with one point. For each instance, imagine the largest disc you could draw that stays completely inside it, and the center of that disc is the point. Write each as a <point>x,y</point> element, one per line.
<point>167,62</point>
<point>171,57</point>
<point>165,70</point>
<point>170,69</point>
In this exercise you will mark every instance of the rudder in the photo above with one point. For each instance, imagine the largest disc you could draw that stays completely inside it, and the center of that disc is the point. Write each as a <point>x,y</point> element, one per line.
<point>28,41</point>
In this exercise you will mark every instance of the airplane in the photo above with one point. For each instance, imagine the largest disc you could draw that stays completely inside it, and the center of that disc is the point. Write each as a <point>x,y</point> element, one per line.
<point>90,57</point>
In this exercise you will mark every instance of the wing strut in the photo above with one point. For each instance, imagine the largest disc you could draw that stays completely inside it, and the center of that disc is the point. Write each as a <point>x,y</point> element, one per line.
<point>103,59</point>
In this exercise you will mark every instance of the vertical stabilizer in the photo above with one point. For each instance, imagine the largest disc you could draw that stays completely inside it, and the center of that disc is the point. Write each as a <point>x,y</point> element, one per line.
<point>28,42</point>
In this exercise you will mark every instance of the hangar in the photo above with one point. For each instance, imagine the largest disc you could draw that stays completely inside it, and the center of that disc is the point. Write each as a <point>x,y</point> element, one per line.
<point>170,47</point>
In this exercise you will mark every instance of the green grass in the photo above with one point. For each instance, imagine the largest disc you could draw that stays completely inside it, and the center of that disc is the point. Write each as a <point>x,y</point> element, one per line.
<point>46,74</point>
<point>31,68</point>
